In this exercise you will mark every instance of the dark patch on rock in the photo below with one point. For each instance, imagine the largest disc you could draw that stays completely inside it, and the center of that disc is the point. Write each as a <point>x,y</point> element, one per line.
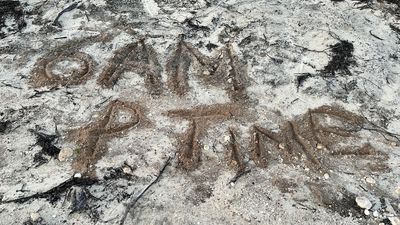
<point>46,141</point>
<point>337,200</point>
<point>210,46</point>
<point>39,159</point>
<point>11,10</point>
<point>200,194</point>
<point>134,7</point>
<point>53,194</point>
<point>4,125</point>
<point>117,173</point>
<point>341,60</point>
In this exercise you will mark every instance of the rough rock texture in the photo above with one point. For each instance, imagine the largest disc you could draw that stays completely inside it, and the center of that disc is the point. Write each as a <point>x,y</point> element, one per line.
<point>199,112</point>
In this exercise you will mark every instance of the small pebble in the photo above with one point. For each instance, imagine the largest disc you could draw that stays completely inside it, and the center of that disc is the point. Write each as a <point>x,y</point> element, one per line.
<point>206,147</point>
<point>394,220</point>
<point>78,175</point>
<point>378,13</point>
<point>397,190</point>
<point>366,212</point>
<point>127,170</point>
<point>363,202</point>
<point>370,180</point>
<point>206,72</point>
<point>65,154</point>
<point>281,146</point>
<point>326,176</point>
<point>375,214</point>
<point>35,217</point>
<point>227,139</point>
<point>320,146</point>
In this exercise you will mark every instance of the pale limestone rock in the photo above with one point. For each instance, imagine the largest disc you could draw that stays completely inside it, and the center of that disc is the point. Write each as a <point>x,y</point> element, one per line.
<point>363,202</point>
<point>65,154</point>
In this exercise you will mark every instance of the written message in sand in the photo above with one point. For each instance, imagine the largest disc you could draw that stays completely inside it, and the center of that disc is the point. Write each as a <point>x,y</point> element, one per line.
<point>315,139</point>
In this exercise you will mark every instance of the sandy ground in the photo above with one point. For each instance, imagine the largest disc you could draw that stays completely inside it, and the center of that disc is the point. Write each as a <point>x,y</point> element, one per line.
<point>199,112</point>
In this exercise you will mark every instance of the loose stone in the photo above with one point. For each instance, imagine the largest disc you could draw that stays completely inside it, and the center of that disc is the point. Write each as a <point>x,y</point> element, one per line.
<point>394,220</point>
<point>370,180</point>
<point>227,139</point>
<point>65,154</point>
<point>363,202</point>
<point>35,217</point>
<point>127,170</point>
